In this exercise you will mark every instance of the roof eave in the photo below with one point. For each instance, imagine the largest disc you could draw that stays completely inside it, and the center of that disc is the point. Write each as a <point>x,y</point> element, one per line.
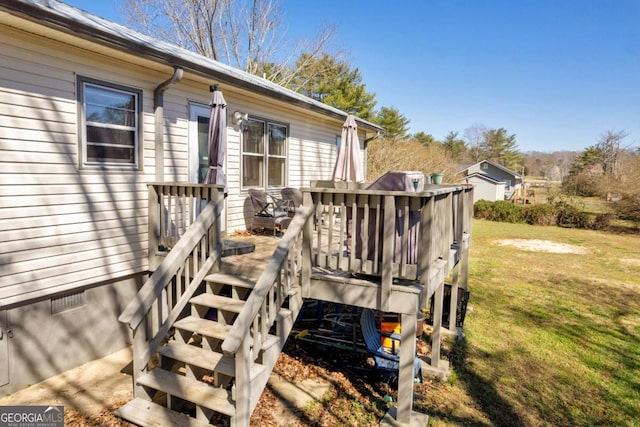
<point>43,14</point>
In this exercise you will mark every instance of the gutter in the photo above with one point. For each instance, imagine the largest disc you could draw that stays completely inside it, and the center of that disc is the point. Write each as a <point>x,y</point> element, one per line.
<point>84,25</point>
<point>158,106</point>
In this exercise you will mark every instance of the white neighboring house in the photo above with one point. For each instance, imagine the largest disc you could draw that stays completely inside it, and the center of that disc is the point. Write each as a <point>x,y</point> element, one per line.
<point>73,211</point>
<point>493,181</point>
<point>486,188</point>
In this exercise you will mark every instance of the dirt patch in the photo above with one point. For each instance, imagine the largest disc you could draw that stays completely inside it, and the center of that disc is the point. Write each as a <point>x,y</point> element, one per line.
<point>536,245</point>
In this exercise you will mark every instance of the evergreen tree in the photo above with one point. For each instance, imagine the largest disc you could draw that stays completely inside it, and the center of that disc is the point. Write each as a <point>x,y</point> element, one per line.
<point>425,139</point>
<point>333,82</point>
<point>500,147</point>
<point>456,146</point>
<point>394,123</point>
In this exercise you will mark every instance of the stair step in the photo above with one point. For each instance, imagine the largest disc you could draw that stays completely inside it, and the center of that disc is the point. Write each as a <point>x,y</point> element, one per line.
<point>149,414</point>
<point>214,398</point>
<point>216,301</point>
<point>210,360</point>
<point>231,280</point>
<point>211,329</point>
<point>208,328</point>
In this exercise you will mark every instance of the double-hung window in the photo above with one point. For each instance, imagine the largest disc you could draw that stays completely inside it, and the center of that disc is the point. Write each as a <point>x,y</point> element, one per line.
<point>264,154</point>
<point>109,124</point>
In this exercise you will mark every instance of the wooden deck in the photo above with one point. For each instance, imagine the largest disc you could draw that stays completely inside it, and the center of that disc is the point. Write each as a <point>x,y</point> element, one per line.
<point>389,251</point>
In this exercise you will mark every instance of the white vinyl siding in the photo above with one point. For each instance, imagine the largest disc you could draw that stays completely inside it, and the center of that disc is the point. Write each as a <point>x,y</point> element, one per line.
<point>61,227</point>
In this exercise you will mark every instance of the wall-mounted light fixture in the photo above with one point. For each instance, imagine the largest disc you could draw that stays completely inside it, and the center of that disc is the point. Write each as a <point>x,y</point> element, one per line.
<point>239,118</point>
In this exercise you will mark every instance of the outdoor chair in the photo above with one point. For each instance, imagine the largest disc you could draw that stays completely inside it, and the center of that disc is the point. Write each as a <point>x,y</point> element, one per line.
<point>292,199</point>
<point>268,212</point>
<point>386,363</point>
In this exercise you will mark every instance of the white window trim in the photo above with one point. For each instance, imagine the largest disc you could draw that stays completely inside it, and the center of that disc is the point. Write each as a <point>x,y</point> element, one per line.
<point>82,82</point>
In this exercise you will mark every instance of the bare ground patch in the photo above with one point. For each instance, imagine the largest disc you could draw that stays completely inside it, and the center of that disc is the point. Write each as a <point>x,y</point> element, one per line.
<point>536,245</point>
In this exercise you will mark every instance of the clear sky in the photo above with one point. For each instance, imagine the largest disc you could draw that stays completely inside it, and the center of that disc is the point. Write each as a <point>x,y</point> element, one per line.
<point>557,73</point>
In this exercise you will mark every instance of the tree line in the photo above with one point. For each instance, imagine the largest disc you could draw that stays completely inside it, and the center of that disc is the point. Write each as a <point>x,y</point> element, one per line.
<point>250,35</point>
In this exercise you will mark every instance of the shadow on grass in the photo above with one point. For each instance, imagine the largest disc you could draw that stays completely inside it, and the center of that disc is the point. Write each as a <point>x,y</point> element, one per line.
<point>595,326</point>
<point>484,393</point>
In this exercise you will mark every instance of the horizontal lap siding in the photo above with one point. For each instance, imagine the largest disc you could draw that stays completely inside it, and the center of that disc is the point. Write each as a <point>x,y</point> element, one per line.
<point>62,227</point>
<point>311,154</point>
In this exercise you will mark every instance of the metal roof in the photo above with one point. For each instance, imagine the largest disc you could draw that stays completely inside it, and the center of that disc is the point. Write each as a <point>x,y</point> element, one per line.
<point>69,19</point>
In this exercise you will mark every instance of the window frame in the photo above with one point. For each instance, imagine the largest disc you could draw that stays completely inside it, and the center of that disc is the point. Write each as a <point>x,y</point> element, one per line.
<point>265,156</point>
<point>84,163</point>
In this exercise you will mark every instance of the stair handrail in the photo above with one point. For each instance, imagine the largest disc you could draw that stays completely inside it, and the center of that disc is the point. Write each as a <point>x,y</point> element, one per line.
<point>139,307</point>
<point>267,280</point>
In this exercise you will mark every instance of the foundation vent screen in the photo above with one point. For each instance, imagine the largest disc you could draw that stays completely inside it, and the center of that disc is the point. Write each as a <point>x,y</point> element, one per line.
<point>67,302</point>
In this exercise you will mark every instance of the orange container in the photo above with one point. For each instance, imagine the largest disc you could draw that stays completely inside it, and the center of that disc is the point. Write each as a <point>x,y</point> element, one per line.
<point>390,328</point>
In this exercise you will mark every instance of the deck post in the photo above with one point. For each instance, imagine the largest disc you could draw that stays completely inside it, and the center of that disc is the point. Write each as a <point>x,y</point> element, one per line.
<point>305,273</point>
<point>243,361</point>
<point>453,303</point>
<point>426,260</point>
<point>388,239</point>
<point>405,373</point>
<point>436,336</point>
<point>139,348</point>
<point>153,227</point>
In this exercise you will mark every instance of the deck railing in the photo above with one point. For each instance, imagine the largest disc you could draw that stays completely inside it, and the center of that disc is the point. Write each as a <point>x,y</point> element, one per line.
<point>164,296</point>
<point>287,269</point>
<point>173,206</point>
<point>390,234</point>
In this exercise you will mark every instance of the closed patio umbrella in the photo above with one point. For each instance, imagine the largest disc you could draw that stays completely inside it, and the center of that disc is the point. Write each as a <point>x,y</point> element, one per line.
<point>217,139</point>
<point>348,166</point>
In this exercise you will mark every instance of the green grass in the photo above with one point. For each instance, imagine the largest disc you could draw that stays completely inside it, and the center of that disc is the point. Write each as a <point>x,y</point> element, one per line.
<point>553,339</point>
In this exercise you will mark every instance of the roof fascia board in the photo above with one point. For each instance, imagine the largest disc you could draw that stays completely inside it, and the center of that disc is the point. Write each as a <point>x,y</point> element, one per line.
<point>504,168</point>
<point>41,11</point>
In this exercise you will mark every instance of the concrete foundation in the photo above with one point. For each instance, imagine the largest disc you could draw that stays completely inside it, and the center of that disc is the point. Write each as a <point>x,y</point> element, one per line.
<point>417,419</point>
<point>441,371</point>
<point>48,337</point>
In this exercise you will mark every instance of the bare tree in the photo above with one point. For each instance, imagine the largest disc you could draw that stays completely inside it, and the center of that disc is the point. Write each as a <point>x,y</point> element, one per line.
<point>389,154</point>
<point>246,34</point>
<point>609,144</point>
<point>474,135</point>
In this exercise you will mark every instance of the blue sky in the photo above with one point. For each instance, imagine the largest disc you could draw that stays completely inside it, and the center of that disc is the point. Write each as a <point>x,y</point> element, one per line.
<point>557,73</point>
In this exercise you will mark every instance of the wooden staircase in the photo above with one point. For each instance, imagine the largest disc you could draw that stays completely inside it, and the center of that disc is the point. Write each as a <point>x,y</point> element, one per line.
<point>193,381</point>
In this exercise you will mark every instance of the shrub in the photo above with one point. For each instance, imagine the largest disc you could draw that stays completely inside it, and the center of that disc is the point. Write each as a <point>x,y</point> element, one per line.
<point>628,207</point>
<point>602,221</point>
<point>542,214</point>
<point>585,183</point>
<point>501,210</point>
<point>482,209</point>
<point>570,216</point>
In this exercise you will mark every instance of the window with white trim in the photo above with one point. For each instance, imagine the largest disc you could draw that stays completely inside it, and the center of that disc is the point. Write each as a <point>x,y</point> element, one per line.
<point>264,154</point>
<point>109,124</point>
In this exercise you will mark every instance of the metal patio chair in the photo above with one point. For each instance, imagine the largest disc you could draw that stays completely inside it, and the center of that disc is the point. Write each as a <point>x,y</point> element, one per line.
<point>268,212</point>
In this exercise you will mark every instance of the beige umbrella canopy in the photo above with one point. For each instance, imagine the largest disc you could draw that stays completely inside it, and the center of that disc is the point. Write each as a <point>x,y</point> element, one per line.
<point>348,166</point>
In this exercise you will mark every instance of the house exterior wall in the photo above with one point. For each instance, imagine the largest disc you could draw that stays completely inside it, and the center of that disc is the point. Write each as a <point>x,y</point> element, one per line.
<point>44,343</point>
<point>493,172</point>
<point>497,174</point>
<point>485,190</point>
<point>67,229</point>
<point>62,227</point>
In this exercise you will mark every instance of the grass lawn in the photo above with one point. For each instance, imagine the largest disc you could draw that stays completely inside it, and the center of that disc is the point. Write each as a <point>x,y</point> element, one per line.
<point>553,339</point>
